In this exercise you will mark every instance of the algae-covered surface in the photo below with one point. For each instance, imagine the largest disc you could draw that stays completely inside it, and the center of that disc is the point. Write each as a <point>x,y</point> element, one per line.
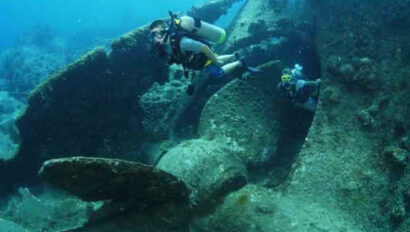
<point>113,141</point>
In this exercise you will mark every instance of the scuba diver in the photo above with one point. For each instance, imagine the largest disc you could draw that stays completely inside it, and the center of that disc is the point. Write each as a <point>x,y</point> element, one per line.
<point>302,93</point>
<point>186,41</point>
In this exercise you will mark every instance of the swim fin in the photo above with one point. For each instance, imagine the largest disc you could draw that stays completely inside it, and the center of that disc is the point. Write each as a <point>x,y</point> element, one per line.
<point>246,66</point>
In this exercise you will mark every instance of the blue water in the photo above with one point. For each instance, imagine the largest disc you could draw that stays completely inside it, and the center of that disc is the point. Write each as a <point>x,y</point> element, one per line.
<point>80,22</point>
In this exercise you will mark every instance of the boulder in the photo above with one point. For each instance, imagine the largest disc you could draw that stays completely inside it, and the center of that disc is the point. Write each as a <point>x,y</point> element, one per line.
<point>209,168</point>
<point>94,179</point>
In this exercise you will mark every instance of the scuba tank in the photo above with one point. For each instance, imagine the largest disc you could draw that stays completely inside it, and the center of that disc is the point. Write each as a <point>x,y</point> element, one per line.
<point>202,29</point>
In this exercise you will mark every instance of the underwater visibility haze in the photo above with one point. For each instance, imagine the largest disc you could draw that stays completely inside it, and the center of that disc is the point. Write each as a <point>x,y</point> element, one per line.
<point>203,116</point>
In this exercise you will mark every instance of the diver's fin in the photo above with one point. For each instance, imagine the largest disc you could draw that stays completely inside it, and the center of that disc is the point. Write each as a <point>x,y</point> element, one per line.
<point>253,69</point>
<point>249,68</point>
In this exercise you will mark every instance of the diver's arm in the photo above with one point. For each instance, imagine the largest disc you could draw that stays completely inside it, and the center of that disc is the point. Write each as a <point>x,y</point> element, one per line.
<point>211,55</point>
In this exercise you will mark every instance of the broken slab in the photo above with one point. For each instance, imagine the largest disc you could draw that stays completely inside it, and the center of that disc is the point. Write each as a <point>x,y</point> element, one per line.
<point>94,179</point>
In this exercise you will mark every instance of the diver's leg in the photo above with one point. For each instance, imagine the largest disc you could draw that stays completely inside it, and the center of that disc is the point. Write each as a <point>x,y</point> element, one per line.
<point>228,68</point>
<point>227,58</point>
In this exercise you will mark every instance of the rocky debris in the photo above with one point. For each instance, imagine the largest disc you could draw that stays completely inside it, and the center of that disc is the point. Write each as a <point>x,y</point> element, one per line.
<point>7,147</point>
<point>94,179</point>
<point>397,202</point>
<point>8,104</point>
<point>9,134</point>
<point>366,119</point>
<point>25,65</point>
<point>397,156</point>
<point>332,96</point>
<point>243,115</point>
<point>257,27</point>
<point>48,211</point>
<point>254,208</point>
<point>8,226</point>
<point>209,168</point>
<point>355,72</point>
<point>10,107</point>
<point>405,142</point>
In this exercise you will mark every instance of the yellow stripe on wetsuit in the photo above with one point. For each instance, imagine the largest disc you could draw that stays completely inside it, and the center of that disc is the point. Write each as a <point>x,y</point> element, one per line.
<point>208,62</point>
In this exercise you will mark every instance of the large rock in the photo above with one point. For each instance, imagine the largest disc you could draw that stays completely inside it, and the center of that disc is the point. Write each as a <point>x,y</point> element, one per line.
<point>209,168</point>
<point>94,179</point>
<point>244,116</point>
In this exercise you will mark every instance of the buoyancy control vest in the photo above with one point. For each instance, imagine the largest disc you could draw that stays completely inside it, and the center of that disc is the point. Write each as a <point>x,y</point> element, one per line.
<point>189,60</point>
<point>193,28</point>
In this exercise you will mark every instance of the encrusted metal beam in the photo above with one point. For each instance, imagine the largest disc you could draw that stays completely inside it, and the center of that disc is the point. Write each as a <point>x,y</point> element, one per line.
<point>211,11</point>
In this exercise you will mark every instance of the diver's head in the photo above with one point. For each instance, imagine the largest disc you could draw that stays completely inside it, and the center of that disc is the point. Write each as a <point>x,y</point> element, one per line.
<point>286,75</point>
<point>286,78</point>
<point>158,31</point>
<point>158,37</point>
